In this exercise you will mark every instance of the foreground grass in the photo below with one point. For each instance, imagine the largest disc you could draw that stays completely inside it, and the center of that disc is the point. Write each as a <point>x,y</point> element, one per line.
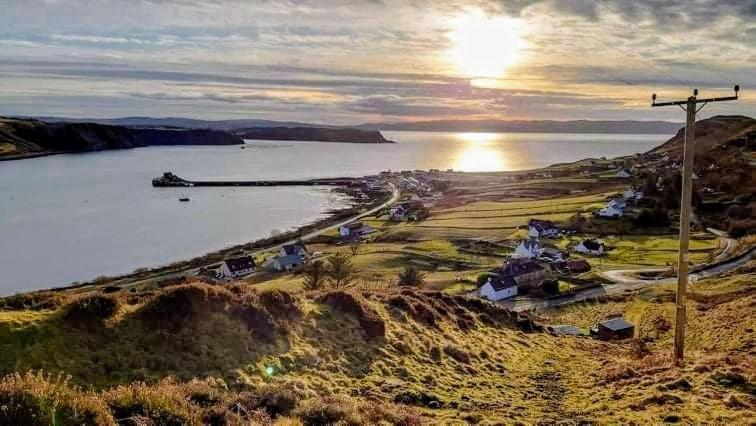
<point>422,357</point>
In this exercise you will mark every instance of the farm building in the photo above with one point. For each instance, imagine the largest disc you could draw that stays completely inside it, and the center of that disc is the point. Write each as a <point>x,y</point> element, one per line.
<point>613,329</point>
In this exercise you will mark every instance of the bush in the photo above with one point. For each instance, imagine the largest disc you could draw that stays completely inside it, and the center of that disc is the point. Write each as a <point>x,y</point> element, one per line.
<point>37,300</point>
<point>411,276</point>
<point>165,403</point>
<point>91,310</point>
<point>179,304</point>
<point>657,218</point>
<point>276,401</point>
<point>741,228</point>
<point>329,411</point>
<point>280,304</point>
<point>315,275</point>
<point>370,321</point>
<point>37,399</point>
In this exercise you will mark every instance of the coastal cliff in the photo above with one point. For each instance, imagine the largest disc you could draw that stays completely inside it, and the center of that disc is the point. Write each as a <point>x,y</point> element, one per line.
<point>315,134</point>
<point>24,138</point>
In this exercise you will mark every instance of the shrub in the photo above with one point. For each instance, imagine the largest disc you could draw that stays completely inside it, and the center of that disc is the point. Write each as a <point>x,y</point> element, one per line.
<point>37,300</point>
<point>34,398</point>
<point>257,320</point>
<point>280,304</point>
<point>315,275</point>
<point>656,218</point>
<point>276,401</point>
<point>91,310</point>
<point>165,403</point>
<point>178,304</point>
<point>370,321</point>
<point>457,353</point>
<point>328,411</point>
<point>411,276</point>
<point>341,271</point>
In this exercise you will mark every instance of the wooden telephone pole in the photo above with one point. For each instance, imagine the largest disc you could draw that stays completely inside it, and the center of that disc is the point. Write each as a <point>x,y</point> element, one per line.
<point>690,106</point>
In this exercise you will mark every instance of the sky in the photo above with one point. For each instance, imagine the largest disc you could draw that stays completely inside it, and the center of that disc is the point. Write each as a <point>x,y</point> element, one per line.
<point>350,62</point>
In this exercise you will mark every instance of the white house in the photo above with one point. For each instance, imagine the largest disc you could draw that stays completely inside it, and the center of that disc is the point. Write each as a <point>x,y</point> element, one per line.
<point>294,250</point>
<point>355,230</point>
<point>610,211</point>
<point>618,203</point>
<point>498,288</point>
<point>542,229</point>
<point>624,174</point>
<point>528,249</point>
<point>590,247</point>
<point>233,268</point>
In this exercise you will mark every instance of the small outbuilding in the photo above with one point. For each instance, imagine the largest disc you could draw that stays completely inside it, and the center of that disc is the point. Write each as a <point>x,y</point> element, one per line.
<point>613,329</point>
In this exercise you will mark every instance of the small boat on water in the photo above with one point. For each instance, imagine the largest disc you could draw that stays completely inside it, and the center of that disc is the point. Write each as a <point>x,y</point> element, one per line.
<point>184,199</point>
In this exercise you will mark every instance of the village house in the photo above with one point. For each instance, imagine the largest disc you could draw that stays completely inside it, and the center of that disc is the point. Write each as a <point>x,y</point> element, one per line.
<point>590,247</point>
<point>355,230</point>
<point>610,212</point>
<point>528,249</point>
<point>542,229</point>
<point>618,203</point>
<point>525,273</point>
<point>631,194</point>
<point>624,174</point>
<point>613,329</point>
<point>551,254</point>
<point>285,263</point>
<point>408,211</point>
<point>498,288</point>
<point>298,250</point>
<point>229,269</point>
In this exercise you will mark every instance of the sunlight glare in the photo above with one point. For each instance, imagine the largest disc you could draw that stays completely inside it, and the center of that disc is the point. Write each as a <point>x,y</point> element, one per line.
<point>479,153</point>
<point>485,47</point>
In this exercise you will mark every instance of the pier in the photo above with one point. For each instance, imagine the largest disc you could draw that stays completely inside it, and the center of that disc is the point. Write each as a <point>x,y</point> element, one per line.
<point>169,179</point>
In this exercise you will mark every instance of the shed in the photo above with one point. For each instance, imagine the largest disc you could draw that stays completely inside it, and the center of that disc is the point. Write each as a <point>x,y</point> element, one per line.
<point>613,329</point>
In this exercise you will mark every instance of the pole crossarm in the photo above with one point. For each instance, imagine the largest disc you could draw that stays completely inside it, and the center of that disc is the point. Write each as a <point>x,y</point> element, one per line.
<point>690,106</point>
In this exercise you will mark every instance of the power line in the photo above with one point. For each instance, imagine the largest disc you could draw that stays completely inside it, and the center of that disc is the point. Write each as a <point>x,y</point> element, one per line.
<point>711,70</point>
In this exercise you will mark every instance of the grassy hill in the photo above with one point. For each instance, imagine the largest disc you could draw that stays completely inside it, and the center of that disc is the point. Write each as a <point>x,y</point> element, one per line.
<point>20,138</point>
<point>397,356</point>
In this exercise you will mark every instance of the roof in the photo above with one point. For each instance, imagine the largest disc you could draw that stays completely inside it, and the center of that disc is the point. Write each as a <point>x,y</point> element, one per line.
<point>578,265</point>
<point>516,268</point>
<point>291,259</point>
<point>616,324</point>
<point>240,263</point>
<point>354,226</point>
<point>531,244</point>
<point>293,249</point>
<point>592,244</point>
<point>541,225</point>
<point>500,283</point>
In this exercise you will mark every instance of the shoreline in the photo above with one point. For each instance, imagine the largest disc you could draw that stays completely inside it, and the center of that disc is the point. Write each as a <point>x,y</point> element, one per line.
<point>182,268</point>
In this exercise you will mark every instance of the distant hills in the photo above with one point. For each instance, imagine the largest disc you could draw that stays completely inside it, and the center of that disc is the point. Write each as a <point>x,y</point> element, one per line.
<point>25,138</point>
<point>531,126</point>
<point>319,134</point>
<point>537,126</point>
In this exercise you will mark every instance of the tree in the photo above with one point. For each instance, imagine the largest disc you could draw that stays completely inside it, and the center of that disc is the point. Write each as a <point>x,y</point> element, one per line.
<point>341,271</point>
<point>411,276</point>
<point>354,246</point>
<point>315,275</point>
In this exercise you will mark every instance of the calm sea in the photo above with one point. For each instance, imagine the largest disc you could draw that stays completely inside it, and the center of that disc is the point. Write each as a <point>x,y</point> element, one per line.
<point>74,217</point>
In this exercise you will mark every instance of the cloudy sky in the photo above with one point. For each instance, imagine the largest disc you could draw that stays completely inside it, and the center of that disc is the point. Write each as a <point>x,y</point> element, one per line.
<point>347,62</point>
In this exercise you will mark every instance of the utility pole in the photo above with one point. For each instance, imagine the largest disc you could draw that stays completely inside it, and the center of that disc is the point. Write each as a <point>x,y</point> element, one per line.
<point>690,106</point>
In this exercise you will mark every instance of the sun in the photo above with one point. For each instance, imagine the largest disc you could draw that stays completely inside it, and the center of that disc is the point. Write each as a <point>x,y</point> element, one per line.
<point>485,47</point>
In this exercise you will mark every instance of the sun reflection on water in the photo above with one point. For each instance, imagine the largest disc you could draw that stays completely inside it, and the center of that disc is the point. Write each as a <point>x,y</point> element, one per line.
<point>480,152</point>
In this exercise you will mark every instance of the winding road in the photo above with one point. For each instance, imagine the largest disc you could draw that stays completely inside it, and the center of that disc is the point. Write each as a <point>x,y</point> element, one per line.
<point>628,280</point>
